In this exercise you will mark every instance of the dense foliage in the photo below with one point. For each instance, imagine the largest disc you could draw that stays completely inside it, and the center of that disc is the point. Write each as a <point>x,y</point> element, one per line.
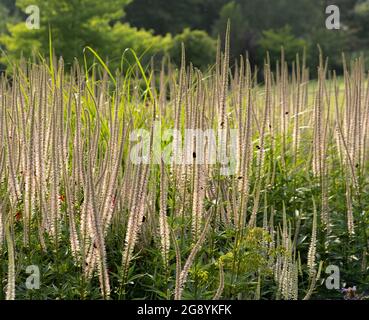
<point>257,26</point>
<point>99,193</point>
<point>285,198</point>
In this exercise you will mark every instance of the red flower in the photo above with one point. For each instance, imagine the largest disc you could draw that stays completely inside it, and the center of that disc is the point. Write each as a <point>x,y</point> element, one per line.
<point>113,201</point>
<point>62,197</point>
<point>18,216</point>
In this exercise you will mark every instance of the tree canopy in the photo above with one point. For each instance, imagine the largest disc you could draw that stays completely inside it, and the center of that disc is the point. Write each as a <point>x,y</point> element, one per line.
<point>257,26</point>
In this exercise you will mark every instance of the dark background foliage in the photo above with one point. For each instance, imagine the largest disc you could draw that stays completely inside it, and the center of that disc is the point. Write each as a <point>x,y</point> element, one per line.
<point>258,26</point>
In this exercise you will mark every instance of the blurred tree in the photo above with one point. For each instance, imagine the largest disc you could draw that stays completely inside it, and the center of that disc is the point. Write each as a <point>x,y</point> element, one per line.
<point>200,48</point>
<point>74,24</point>
<point>10,6</point>
<point>359,21</point>
<point>165,16</point>
<point>143,42</point>
<point>332,43</point>
<point>8,13</point>
<point>78,23</point>
<point>249,18</point>
<point>272,41</point>
<point>306,18</point>
<point>243,36</point>
<point>3,18</point>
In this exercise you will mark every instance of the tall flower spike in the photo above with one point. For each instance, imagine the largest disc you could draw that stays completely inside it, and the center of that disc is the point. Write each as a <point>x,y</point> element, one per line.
<point>184,273</point>
<point>10,288</point>
<point>313,242</point>
<point>163,221</point>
